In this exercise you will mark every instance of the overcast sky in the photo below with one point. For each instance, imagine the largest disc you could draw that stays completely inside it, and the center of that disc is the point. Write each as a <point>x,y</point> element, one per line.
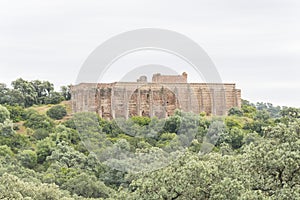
<point>255,44</point>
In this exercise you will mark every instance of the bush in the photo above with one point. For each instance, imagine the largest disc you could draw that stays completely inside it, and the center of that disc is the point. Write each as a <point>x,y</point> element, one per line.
<point>40,134</point>
<point>57,112</point>
<point>87,186</point>
<point>5,151</point>
<point>37,121</point>
<point>16,112</point>
<point>28,112</point>
<point>141,121</point>
<point>28,158</point>
<point>44,149</point>
<point>4,114</point>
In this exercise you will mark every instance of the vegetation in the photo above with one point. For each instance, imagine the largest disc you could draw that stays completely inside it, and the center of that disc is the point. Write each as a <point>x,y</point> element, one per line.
<point>57,112</point>
<point>28,93</point>
<point>253,153</point>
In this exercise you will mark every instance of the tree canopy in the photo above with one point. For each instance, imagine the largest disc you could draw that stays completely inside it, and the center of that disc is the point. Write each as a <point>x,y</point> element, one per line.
<point>253,153</point>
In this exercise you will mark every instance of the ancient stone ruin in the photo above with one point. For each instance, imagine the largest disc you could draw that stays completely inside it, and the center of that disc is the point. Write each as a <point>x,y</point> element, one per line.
<point>159,98</point>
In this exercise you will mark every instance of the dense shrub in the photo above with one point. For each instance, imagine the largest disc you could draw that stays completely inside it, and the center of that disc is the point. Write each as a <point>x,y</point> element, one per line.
<point>37,121</point>
<point>16,112</point>
<point>5,151</point>
<point>87,186</point>
<point>40,134</point>
<point>235,111</point>
<point>28,158</point>
<point>57,112</point>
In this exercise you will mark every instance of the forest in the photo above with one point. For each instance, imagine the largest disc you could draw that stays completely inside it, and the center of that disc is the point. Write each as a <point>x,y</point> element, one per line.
<point>46,152</point>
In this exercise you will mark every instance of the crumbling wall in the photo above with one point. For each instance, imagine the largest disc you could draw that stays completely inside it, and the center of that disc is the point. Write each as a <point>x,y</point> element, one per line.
<point>158,78</point>
<point>129,99</point>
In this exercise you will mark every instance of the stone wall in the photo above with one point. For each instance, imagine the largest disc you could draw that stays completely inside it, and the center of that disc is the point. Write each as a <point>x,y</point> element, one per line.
<point>161,99</point>
<point>158,78</point>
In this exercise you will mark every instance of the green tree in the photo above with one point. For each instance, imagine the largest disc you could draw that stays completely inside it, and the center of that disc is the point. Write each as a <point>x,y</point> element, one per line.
<point>248,109</point>
<point>216,130</point>
<point>87,185</point>
<point>16,97</point>
<point>67,156</point>
<point>211,177</point>
<point>9,137</point>
<point>142,121</point>
<point>172,124</point>
<point>5,151</point>
<point>27,90</point>
<point>6,129</point>
<point>289,114</point>
<point>274,163</point>
<point>4,114</point>
<point>44,148</point>
<point>28,158</point>
<point>40,133</point>
<point>12,187</point>
<point>235,111</point>
<point>274,111</point>
<point>43,90</point>
<point>54,98</point>
<point>236,138</point>
<point>16,112</point>
<point>233,122</point>
<point>66,92</point>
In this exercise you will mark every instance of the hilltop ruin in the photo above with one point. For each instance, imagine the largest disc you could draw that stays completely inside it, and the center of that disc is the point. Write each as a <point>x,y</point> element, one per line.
<point>159,98</point>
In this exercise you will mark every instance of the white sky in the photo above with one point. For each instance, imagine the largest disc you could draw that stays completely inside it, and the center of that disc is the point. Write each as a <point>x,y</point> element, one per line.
<point>255,44</point>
